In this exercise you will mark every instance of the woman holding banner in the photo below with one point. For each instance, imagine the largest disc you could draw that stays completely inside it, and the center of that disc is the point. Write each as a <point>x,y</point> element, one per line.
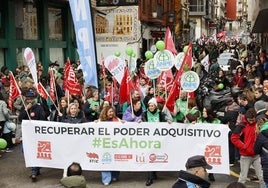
<point>153,114</point>
<point>73,115</point>
<point>108,114</point>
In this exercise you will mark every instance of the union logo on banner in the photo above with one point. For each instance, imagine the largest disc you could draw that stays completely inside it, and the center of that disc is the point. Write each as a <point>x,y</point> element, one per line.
<point>44,150</point>
<point>213,154</point>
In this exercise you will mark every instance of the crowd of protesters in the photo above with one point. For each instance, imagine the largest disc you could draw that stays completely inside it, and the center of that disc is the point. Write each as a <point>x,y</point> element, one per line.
<point>245,114</point>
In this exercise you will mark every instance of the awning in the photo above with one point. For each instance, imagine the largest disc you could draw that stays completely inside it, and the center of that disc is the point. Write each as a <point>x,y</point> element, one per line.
<point>261,25</point>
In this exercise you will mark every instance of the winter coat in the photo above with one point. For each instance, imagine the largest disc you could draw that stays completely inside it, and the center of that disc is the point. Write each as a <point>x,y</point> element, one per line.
<point>127,116</point>
<point>36,112</point>
<point>90,114</point>
<point>230,118</point>
<point>187,180</point>
<point>238,80</point>
<point>3,110</point>
<point>80,118</point>
<point>74,181</point>
<point>244,137</point>
<point>261,147</point>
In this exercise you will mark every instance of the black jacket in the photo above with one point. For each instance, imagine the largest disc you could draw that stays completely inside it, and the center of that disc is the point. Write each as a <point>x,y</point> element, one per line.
<point>36,113</point>
<point>185,177</point>
<point>261,147</point>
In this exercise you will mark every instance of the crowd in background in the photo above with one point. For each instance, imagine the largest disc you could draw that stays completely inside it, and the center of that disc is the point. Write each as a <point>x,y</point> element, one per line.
<point>246,114</point>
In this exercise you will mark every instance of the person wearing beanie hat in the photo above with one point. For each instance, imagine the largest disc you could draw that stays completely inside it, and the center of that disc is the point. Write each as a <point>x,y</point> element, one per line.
<point>260,108</point>
<point>152,114</point>
<point>152,101</point>
<point>194,176</point>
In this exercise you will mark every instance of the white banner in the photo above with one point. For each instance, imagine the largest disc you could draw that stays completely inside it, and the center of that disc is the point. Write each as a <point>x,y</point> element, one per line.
<point>124,146</point>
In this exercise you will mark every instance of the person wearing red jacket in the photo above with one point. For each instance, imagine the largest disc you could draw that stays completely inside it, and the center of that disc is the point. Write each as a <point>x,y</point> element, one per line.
<point>244,137</point>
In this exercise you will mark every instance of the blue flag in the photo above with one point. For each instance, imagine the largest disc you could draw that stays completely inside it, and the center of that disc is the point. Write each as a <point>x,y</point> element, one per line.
<point>82,20</point>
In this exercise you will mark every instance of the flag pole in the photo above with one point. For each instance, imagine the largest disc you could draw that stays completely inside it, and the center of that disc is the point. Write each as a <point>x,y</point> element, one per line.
<point>112,93</point>
<point>130,97</point>
<point>25,107</point>
<point>57,108</point>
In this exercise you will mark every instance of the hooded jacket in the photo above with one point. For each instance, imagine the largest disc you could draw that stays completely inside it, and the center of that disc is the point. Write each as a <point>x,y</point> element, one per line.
<point>244,137</point>
<point>185,178</point>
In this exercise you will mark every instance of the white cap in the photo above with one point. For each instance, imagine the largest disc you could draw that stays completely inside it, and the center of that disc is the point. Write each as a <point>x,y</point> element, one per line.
<point>153,101</point>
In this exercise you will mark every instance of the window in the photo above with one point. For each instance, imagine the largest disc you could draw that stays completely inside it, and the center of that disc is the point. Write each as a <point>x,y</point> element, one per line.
<point>55,23</point>
<point>26,15</point>
<point>197,6</point>
<point>56,54</point>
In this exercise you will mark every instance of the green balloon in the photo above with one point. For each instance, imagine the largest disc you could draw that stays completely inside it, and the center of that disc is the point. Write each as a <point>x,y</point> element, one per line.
<point>129,51</point>
<point>220,86</point>
<point>3,143</point>
<point>133,55</point>
<point>117,54</point>
<point>149,54</point>
<point>185,48</point>
<point>160,45</point>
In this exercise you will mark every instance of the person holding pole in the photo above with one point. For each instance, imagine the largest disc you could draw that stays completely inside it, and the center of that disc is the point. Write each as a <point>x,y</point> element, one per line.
<point>33,111</point>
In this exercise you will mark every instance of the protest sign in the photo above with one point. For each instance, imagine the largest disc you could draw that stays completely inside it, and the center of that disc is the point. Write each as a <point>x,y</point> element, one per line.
<point>124,146</point>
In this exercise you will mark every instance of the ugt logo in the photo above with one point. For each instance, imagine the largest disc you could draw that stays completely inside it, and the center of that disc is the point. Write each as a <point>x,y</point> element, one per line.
<point>213,154</point>
<point>44,150</point>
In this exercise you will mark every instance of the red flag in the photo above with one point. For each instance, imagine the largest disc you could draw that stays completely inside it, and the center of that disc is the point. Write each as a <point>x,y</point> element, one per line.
<point>166,79</point>
<point>72,83</point>
<point>108,94</point>
<point>42,91</point>
<point>137,85</point>
<point>52,85</point>
<point>126,87</point>
<point>191,95</point>
<point>143,75</point>
<point>169,42</point>
<point>14,91</point>
<point>66,72</point>
<point>174,93</point>
<point>111,94</point>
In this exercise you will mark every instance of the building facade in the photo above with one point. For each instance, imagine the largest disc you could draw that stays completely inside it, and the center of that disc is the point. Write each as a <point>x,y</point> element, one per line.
<point>44,26</point>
